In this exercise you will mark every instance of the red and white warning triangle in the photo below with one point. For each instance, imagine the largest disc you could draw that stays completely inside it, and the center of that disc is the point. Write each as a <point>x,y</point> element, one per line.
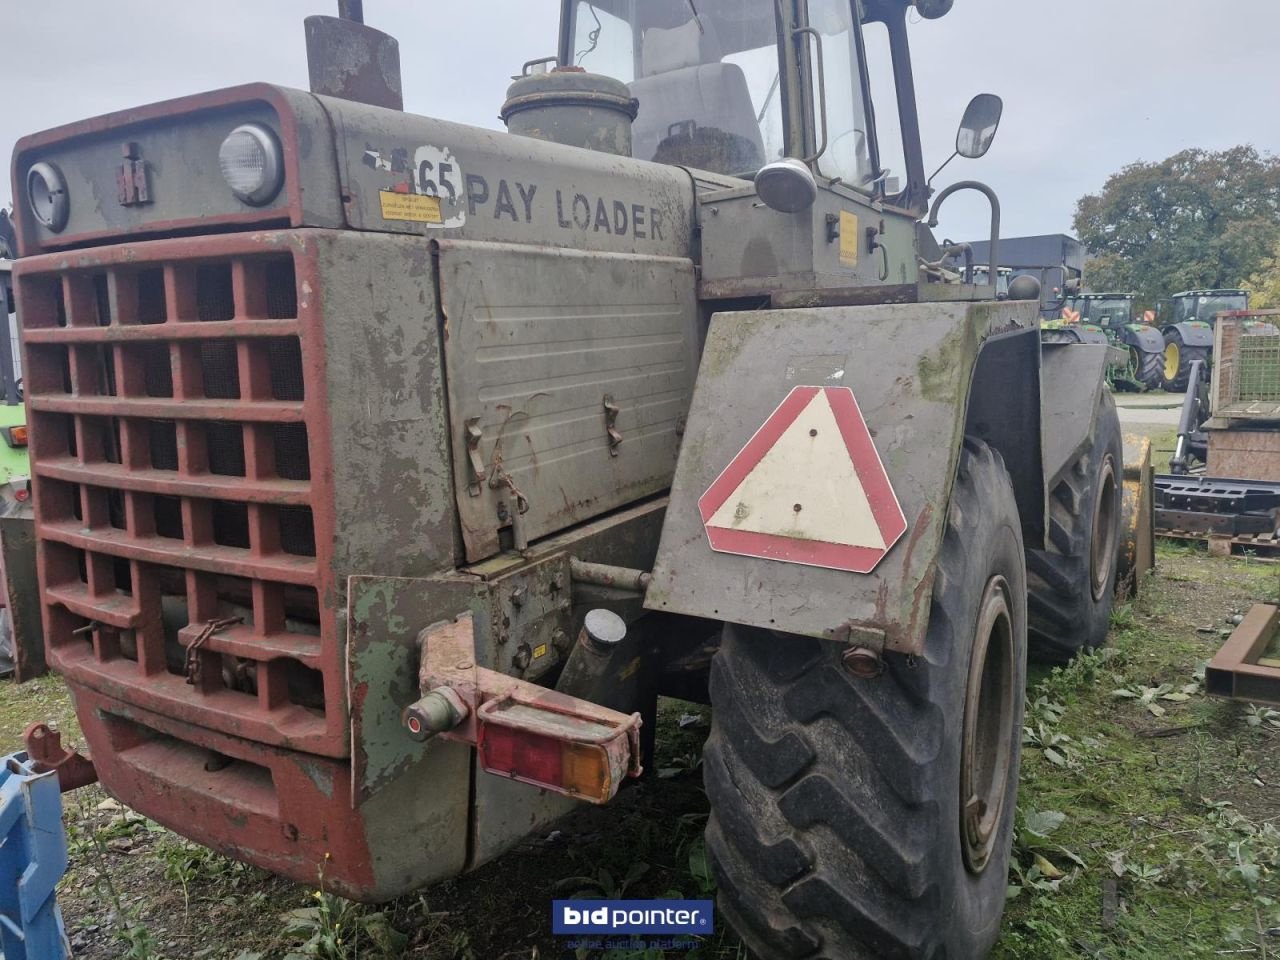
<point>808,488</point>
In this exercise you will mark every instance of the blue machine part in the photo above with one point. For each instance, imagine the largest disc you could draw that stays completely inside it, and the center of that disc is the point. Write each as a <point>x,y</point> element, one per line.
<point>33,858</point>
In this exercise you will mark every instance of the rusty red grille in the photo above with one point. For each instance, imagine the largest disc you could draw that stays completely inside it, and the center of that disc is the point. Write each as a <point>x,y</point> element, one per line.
<point>173,431</point>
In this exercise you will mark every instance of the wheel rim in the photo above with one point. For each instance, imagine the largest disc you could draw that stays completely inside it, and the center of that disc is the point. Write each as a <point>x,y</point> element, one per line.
<point>1102,546</point>
<point>1135,363</point>
<point>989,709</point>
<point>1172,361</point>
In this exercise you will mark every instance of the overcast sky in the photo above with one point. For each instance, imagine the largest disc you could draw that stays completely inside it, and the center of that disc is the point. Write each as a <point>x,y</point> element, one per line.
<point>1089,85</point>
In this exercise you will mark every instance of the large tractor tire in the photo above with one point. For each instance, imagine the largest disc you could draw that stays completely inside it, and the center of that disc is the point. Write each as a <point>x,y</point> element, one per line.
<point>1148,368</point>
<point>1072,584</point>
<point>860,818</point>
<point>1177,361</point>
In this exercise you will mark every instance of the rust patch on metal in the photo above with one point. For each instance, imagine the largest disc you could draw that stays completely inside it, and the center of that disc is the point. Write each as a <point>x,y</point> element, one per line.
<point>1241,670</point>
<point>44,746</point>
<point>355,62</point>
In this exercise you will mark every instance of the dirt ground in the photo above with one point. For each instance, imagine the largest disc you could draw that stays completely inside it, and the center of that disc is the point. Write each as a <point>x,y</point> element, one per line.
<point>1148,826</point>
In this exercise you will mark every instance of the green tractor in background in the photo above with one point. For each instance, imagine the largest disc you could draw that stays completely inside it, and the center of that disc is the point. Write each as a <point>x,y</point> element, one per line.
<point>1186,322</point>
<point>1112,314</point>
<point>1109,318</point>
<point>16,566</point>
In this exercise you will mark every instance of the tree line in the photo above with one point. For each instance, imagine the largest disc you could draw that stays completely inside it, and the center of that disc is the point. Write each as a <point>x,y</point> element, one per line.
<point>1199,220</point>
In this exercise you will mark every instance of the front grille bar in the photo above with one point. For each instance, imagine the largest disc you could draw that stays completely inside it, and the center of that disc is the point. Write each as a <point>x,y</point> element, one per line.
<point>171,442</point>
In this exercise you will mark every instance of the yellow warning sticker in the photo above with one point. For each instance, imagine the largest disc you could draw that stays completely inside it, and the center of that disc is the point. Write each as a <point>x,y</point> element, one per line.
<point>539,651</point>
<point>848,238</point>
<point>415,207</point>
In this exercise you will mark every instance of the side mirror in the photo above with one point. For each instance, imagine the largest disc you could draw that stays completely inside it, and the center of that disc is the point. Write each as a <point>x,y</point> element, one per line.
<point>978,128</point>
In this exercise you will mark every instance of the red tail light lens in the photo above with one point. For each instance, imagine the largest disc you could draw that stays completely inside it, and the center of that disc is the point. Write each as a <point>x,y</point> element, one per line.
<point>575,756</point>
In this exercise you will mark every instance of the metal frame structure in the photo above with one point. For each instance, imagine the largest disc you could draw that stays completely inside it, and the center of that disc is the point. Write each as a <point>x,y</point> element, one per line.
<point>1241,670</point>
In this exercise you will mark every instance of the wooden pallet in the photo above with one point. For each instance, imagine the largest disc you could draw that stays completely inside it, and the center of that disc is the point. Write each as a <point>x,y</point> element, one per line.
<point>1261,546</point>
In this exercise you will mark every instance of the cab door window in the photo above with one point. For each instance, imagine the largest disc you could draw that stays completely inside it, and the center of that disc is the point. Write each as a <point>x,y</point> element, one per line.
<point>884,100</point>
<point>850,148</point>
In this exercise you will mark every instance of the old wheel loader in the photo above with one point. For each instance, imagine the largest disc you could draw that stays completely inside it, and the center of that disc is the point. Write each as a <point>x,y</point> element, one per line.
<point>386,469</point>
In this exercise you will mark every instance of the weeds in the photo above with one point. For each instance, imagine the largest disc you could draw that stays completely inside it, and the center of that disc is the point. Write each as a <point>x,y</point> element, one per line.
<point>1148,697</point>
<point>602,884</point>
<point>1030,867</point>
<point>337,929</point>
<point>1256,716</point>
<point>134,935</point>
<point>186,863</point>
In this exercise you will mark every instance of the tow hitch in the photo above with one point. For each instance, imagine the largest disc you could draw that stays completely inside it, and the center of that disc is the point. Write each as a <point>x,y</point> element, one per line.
<point>520,730</point>
<point>48,755</point>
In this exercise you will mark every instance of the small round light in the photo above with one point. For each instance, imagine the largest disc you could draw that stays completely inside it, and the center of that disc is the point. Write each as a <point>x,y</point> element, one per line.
<point>786,185</point>
<point>251,164</point>
<point>47,194</point>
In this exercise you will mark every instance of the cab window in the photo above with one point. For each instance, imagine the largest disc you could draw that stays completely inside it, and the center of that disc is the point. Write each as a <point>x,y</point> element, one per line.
<point>850,146</point>
<point>706,77</point>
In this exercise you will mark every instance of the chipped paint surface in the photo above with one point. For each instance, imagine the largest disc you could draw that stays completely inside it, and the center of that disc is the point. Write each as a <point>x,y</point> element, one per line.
<point>538,338</point>
<point>385,616</point>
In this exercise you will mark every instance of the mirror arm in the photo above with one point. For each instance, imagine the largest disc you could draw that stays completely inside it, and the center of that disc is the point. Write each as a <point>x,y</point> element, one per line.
<point>929,182</point>
<point>993,260</point>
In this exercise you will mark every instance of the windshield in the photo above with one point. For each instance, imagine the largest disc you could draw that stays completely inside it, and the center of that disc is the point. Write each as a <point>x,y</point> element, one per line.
<point>1114,310</point>
<point>1208,305</point>
<point>705,73</point>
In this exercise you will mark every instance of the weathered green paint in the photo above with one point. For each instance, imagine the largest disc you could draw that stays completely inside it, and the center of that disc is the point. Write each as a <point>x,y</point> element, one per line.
<point>386,615</point>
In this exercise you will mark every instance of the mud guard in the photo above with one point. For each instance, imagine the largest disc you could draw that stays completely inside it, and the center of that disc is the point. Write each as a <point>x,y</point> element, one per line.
<point>1071,378</point>
<point>1193,333</point>
<point>909,368</point>
<point>1143,337</point>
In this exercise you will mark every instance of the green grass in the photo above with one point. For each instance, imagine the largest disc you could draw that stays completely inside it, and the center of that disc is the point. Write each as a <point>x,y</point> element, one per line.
<point>1144,813</point>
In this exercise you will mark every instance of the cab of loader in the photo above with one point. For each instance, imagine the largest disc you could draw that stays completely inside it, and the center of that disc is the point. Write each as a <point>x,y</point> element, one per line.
<point>781,93</point>
<point>729,86</point>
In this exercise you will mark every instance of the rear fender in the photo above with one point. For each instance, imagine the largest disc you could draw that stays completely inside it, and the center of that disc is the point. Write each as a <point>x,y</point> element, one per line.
<point>910,369</point>
<point>1145,338</point>
<point>1092,333</point>
<point>1072,377</point>
<point>1194,333</point>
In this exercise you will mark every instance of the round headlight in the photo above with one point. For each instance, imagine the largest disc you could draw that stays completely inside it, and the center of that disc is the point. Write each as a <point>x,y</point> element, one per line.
<point>251,163</point>
<point>47,194</point>
<point>786,185</point>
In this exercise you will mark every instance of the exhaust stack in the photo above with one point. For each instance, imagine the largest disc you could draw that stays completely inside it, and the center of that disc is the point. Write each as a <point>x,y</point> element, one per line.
<point>347,59</point>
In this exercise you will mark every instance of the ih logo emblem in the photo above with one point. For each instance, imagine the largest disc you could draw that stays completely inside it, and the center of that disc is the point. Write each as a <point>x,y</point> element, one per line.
<point>808,488</point>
